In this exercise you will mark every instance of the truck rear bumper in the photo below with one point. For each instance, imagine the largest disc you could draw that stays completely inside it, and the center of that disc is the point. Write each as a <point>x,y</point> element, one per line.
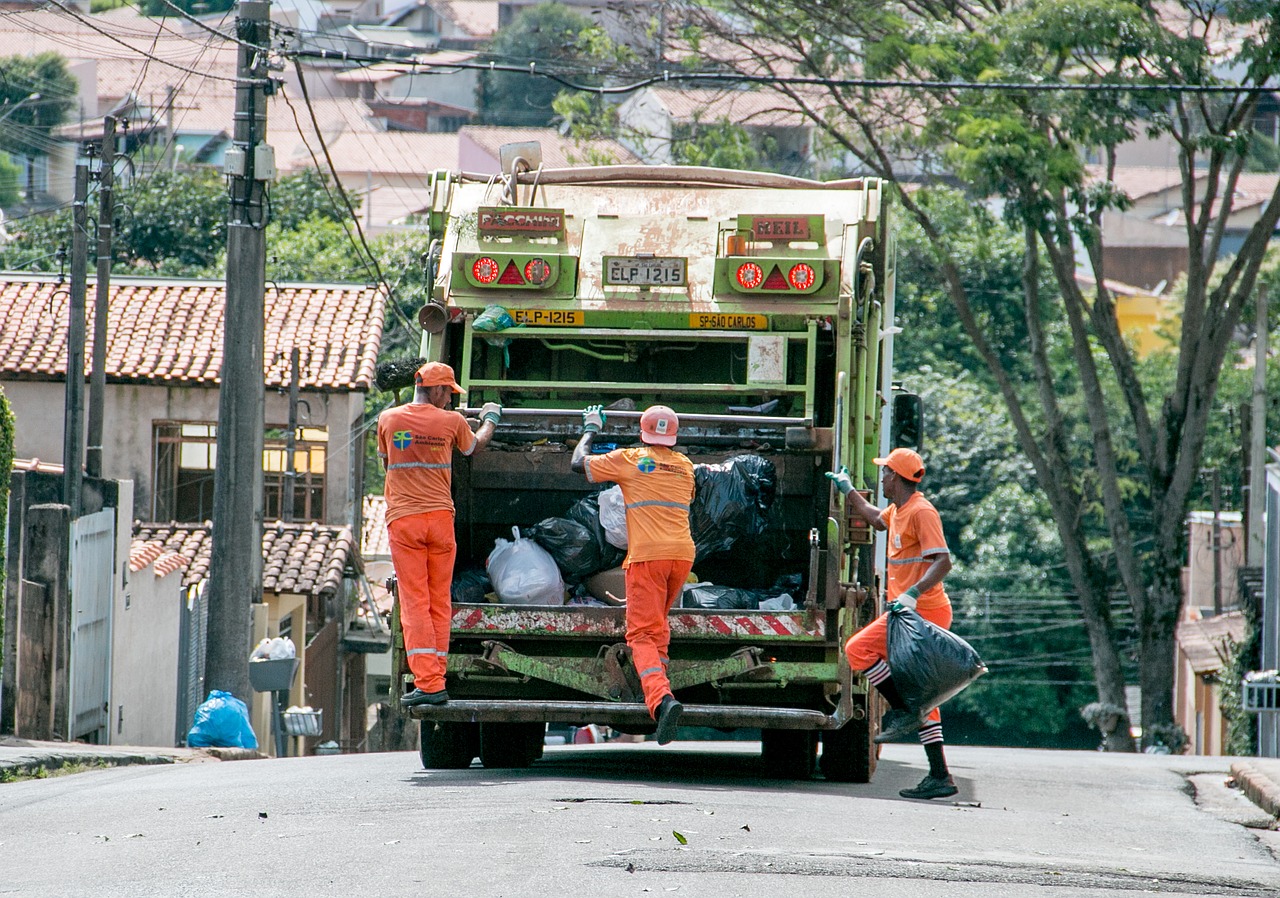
<point>625,714</point>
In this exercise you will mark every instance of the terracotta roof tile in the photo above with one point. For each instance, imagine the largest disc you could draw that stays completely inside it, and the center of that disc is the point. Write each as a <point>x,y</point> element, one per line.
<point>373,542</point>
<point>1207,642</point>
<point>307,559</point>
<point>167,331</point>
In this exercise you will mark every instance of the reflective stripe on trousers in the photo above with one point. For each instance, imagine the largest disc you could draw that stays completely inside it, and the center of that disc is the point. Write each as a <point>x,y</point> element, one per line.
<point>652,589</point>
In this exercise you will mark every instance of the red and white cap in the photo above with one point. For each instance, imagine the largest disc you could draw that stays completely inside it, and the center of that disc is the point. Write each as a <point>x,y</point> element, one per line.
<point>658,425</point>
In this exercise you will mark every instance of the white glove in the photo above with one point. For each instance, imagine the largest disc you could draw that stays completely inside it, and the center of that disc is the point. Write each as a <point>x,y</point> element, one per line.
<point>491,411</point>
<point>593,418</point>
<point>909,598</point>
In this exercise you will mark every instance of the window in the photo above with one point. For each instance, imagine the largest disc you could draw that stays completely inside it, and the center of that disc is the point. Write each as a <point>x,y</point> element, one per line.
<point>185,455</point>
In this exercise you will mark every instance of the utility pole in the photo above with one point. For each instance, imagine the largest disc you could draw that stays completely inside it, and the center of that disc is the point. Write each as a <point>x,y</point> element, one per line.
<point>73,413</point>
<point>1217,542</point>
<point>235,569</point>
<point>98,374</point>
<point>290,441</point>
<point>1256,546</point>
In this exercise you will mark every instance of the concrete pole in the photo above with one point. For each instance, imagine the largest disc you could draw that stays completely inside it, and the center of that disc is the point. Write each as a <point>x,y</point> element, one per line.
<point>1256,547</point>
<point>73,414</point>
<point>98,373</point>
<point>235,569</point>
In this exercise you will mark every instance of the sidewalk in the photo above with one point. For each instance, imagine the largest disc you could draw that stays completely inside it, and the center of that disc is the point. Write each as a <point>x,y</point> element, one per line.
<point>1259,778</point>
<point>21,758</point>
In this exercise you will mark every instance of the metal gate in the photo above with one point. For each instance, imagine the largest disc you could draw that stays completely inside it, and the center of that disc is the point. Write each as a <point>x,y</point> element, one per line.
<point>93,564</point>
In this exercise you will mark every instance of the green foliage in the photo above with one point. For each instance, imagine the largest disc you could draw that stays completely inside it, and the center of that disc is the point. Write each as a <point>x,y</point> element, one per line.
<point>553,37</point>
<point>316,249</point>
<point>719,144</point>
<point>307,194</point>
<point>171,222</point>
<point>97,6</point>
<point>10,186</point>
<point>36,94</point>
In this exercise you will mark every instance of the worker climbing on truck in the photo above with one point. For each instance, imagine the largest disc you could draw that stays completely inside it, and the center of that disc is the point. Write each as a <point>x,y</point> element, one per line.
<point>657,490</point>
<point>416,443</point>
<point>918,560</point>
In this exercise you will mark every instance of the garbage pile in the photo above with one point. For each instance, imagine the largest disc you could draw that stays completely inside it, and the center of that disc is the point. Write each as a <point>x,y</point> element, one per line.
<point>581,550</point>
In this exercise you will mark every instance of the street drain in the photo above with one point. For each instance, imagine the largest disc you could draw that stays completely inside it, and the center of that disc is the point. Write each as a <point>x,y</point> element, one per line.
<point>613,801</point>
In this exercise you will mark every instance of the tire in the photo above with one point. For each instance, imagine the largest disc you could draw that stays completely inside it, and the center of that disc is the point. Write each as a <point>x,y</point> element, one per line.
<point>848,754</point>
<point>445,745</point>
<point>513,745</point>
<point>789,754</point>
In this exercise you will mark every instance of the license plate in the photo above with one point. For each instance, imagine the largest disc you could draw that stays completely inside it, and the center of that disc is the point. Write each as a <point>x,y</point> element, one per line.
<point>655,271</point>
<point>728,321</point>
<point>548,317</point>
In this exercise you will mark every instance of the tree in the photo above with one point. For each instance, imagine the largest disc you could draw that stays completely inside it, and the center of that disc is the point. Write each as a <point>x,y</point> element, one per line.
<point>177,7</point>
<point>1141,449</point>
<point>10,186</point>
<point>549,35</point>
<point>6,465</point>
<point>36,93</point>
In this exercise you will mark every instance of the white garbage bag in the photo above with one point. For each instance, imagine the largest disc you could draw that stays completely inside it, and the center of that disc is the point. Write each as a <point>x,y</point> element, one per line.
<point>524,573</point>
<point>613,517</point>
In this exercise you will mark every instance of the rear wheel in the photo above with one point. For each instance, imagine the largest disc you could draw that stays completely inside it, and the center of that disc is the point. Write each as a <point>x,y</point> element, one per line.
<point>445,745</point>
<point>848,754</point>
<point>511,744</point>
<point>789,754</point>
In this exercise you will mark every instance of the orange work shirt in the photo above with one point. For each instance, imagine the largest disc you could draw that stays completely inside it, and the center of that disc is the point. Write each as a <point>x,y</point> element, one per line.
<point>657,489</point>
<point>416,442</point>
<point>915,538</point>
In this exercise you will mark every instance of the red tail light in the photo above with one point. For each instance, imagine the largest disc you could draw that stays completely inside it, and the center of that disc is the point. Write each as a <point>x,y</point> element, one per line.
<point>750,275</point>
<point>801,276</point>
<point>537,272</point>
<point>485,270</point>
<point>511,275</point>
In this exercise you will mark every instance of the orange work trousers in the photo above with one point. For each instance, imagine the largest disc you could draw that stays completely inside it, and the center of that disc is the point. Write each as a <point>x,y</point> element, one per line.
<point>422,550</point>
<point>652,589</point>
<point>871,643</point>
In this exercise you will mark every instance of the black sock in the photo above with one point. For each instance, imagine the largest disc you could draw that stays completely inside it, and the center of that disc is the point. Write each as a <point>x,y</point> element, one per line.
<point>890,692</point>
<point>937,761</point>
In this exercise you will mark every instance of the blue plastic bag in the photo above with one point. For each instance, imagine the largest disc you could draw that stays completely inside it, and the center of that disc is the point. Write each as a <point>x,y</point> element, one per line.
<point>222,720</point>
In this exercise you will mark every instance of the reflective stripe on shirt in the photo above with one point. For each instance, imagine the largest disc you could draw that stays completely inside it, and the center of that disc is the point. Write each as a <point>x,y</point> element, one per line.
<point>417,464</point>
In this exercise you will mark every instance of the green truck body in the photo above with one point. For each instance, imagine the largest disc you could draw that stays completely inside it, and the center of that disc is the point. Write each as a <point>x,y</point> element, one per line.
<point>754,305</point>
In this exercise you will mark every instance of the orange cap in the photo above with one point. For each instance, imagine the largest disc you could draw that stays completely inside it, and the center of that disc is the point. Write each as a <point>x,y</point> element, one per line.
<point>905,463</point>
<point>436,374</point>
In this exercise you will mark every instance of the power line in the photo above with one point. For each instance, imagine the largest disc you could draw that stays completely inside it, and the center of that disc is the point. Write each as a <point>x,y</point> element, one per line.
<point>667,76</point>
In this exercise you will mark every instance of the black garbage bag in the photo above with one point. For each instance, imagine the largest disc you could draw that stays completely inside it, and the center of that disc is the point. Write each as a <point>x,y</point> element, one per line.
<point>732,500</point>
<point>470,586</point>
<point>586,511</point>
<point>706,595</point>
<point>579,550</point>
<point>929,664</point>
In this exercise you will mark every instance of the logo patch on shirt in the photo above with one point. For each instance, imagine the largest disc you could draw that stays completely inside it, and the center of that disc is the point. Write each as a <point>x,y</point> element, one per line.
<point>647,466</point>
<point>402,439</point>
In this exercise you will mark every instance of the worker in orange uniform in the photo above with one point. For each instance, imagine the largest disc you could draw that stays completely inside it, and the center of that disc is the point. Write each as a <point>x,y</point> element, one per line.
<point>657,489</point>
<point>416,443</point>
<point>918,559</point>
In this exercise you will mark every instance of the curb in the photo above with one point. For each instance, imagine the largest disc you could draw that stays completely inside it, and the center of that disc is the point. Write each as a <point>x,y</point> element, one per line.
<point>1261,788</point>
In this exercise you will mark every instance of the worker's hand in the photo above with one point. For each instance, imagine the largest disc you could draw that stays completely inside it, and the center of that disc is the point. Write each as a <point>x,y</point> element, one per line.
<point>842,480</point>
<point>909,598</point>
<point>491,411</point>
<point>593,418</point>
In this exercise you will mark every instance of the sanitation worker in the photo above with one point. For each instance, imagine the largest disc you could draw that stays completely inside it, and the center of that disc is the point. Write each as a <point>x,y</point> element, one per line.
<point>416,443</point>
<point>657,489</point>
<point>918,559</point>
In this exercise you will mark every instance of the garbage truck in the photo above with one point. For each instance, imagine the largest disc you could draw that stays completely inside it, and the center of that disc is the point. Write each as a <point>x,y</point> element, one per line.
<point>756,305</point>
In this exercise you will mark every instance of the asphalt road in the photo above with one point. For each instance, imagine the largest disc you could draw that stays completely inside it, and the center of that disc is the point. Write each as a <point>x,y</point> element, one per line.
<point>621,820</point>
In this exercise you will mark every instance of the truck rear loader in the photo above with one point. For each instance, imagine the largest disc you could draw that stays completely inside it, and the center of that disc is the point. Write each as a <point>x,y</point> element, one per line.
<point>753,304</point>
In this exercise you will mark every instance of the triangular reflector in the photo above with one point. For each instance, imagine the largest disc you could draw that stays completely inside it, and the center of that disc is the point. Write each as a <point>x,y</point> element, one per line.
<point>511,275</point>
<point>775,281</point>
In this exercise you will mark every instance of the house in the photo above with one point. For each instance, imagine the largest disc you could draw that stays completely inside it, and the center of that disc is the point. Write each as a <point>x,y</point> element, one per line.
<point>309,591</point>
<point>159,446</point>
<point>1146,245</point>
<point>163,361</point>
<point>1212,623</point>
<point>1204,646</point>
